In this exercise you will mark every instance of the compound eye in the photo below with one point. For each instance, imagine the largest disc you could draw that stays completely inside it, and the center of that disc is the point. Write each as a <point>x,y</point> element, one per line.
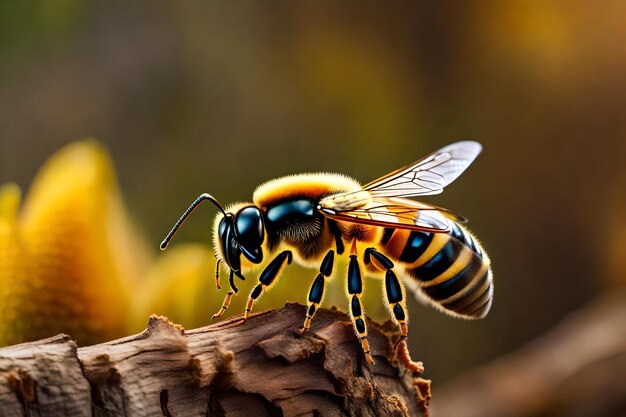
<point>249,224</point>
<point>230,249</point>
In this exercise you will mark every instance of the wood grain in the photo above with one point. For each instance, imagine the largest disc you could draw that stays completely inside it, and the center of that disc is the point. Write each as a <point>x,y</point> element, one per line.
<point>261,367</point>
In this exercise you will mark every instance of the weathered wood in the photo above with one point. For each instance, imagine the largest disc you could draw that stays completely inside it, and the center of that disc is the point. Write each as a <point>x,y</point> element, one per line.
<point>261,367</point>
<point>43,378</point>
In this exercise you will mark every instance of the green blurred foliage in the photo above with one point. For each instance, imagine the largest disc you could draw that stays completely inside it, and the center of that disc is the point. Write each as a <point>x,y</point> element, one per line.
<point>29,23</point>
<point>220,96</point>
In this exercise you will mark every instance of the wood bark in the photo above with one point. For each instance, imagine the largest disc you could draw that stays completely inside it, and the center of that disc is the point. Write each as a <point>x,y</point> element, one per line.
<point>261,367</point>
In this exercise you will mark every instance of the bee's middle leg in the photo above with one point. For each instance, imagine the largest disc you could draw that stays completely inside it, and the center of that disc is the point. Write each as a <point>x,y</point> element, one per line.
<point>267,278</point>
<point>355,289</point>
<point>316,293</point>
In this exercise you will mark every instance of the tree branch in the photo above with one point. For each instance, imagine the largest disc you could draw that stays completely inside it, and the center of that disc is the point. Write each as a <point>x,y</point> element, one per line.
<point>262,367</point>
<point>575,369</point>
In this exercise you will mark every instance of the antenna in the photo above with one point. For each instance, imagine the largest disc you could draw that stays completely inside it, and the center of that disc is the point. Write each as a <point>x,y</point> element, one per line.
<point>186,214</point>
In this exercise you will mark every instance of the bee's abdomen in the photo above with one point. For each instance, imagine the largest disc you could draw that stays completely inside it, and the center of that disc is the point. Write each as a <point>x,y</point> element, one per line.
<point>450,269</point>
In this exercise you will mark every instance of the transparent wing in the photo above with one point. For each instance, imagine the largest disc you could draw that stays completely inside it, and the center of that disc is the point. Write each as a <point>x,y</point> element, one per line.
<point>429,175</point>
<point>398,213</point>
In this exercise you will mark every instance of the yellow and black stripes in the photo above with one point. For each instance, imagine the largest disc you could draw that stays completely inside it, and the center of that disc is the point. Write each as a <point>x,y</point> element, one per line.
<point>451,269</point>
<point>475,302</point>
<point>316,293</point>
<point>355,289</point>
<point>439,263</point>
<point>267,278</point>
<point>465,237</point>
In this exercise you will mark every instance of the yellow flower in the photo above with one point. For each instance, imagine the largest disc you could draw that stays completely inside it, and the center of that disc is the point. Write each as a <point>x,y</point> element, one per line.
<point>69,260</point>
<point>178,286</point>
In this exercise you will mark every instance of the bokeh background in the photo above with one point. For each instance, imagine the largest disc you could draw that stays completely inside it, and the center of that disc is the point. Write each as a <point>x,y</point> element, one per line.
<point>191,97</point>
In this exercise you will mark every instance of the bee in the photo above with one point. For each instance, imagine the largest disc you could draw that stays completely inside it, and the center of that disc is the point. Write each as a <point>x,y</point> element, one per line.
<point>307,218</point>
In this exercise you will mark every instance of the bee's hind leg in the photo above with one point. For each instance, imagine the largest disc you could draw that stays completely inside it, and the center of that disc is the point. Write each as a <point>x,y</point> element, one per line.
<point>316,293</point>
<point>395,295</point>
<point>394,290</point>
<point>267,278</point>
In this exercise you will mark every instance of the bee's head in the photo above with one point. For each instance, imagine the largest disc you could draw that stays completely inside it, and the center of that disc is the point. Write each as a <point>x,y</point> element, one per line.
<point>241,231</point>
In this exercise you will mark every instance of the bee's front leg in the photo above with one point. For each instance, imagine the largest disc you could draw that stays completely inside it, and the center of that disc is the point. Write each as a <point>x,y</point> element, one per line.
<point>217,274</point>
<point>229,296</point>
<point>267,278</point>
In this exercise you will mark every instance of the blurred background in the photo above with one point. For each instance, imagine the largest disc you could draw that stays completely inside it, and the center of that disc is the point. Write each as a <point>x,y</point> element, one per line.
<point>190,97</point>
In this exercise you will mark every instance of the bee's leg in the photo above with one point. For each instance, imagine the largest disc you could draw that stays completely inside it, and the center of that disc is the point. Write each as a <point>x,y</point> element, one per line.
<point>393,288</point>
<point>217,274</point>
<point>316,293</point>
<point>355,288</point>
<point>332,225</point>
<point>395,294</point>
<point>268,276</point>
<point>228,298</point>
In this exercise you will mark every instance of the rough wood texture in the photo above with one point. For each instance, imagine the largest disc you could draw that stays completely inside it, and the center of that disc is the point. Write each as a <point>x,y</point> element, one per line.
<point>262,367</point>
<point>576,369</point>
